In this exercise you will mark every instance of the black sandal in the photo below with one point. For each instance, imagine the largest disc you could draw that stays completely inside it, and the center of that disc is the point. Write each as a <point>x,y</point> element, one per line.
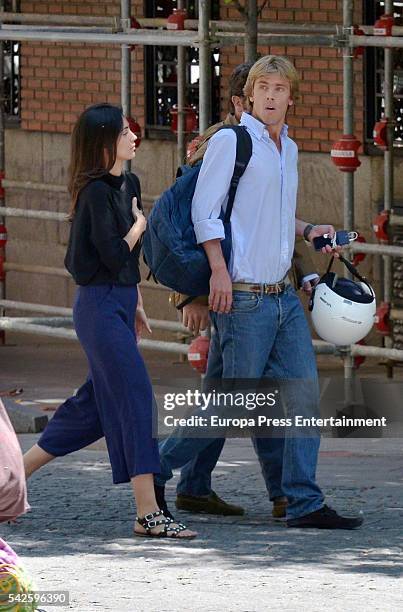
<point>149,522</point>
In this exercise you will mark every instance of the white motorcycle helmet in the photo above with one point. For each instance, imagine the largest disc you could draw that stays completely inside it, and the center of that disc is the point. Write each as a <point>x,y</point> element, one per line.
<point>342,310</point>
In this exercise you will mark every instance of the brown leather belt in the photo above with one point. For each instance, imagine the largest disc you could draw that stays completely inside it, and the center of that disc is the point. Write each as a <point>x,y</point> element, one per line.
<point>261,287</point>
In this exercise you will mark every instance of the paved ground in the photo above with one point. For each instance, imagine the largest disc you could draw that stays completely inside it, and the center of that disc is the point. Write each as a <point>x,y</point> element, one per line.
<point>78,535</point>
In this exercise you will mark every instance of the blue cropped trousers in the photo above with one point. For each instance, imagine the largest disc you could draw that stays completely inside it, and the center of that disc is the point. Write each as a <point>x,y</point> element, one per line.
<point>116,401</point>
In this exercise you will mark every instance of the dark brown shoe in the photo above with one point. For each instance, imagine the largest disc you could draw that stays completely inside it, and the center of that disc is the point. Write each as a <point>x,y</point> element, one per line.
<point>279,509</point>
<point>209,504</point>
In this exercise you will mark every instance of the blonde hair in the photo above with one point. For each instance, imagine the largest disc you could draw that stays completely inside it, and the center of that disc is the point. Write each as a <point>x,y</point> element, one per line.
<point>270,64</point>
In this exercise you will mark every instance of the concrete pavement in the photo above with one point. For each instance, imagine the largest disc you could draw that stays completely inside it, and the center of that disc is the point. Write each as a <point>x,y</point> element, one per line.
<point>78,535</point>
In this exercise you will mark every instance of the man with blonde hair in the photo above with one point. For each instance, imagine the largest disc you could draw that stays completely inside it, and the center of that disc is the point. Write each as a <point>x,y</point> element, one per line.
<point>259,327</point>
<point>194,492</point>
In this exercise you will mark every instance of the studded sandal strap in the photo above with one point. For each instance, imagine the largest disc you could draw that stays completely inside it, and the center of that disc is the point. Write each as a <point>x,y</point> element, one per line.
<point>180,527</point>
<point>149,521</point>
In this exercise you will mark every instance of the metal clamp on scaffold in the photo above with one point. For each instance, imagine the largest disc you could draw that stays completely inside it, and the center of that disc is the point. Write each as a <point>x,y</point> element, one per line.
<point>344,153</point>
<point>381,226</point>
<point>382,319</point>
<point>134,25</point>
<point>176,21</point>
<point>359,257</point>
<point>358,51</point>
<point>190,119</point>
<point>3,236</point>
<point>383,26</point>
<point>380,134</point>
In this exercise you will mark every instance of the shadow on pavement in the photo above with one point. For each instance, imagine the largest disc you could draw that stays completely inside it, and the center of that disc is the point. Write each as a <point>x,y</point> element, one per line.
<point>78,511</point>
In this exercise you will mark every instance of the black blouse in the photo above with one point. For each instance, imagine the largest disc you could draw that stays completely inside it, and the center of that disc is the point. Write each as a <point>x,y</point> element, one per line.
<point>96,253</point>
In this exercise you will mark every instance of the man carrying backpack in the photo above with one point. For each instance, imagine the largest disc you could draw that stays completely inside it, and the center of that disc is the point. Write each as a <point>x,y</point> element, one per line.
<point>258,321</point>
<point>194,491</point>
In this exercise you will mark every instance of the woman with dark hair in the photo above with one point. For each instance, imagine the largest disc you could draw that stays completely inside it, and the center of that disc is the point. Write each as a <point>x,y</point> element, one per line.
<point>116,401</point>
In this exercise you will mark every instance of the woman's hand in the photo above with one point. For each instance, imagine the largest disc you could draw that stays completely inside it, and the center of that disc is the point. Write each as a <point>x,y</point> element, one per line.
<point>139,218</point>
<point>141,323</point>
<point>138,228</point>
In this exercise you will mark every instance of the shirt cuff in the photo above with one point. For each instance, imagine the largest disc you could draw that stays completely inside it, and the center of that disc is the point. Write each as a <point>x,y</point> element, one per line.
<point>209,229</point>
<point>309,277</point>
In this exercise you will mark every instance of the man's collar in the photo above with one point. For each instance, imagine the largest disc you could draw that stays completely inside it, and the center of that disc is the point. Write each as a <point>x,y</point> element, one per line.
<point>257,127</point>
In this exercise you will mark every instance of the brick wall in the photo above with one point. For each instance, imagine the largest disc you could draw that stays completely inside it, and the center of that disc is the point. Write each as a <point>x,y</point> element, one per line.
<point>317,119</point>
<point>59,80</point>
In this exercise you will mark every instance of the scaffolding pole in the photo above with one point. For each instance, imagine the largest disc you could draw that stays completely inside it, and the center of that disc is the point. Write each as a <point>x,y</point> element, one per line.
<point>223,39</point>
<point>348,177</point>
<point>125,67</point>
<point>33,326</point>
<point>204,66</point>
<point>376,41</point>
<point>171,38</point>
<point>251,37</point>
<point>190,24</point>
<point>376,249</point>
<point>45,215</point>
<point>64,315</point>
<point>53,188</point>
<point>181,87</point>
<point>188,38</point>
<point>388,173</point>
<point>53,271</point>
<point>48,28</point>
<point>48,326</point>
<point>348,113</point>
<point>50,19</point>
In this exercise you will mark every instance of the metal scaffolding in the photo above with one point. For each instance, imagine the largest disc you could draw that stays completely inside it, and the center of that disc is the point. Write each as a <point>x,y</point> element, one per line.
<point>206,34</point>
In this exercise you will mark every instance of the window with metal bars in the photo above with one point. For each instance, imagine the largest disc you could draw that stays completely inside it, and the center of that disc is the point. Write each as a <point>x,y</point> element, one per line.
<point>11,70</point>
<point>374,76</point>
<point>160,70</point>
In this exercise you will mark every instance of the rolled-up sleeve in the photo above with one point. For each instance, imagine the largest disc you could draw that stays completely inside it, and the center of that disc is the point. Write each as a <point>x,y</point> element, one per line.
<point>211,193</point>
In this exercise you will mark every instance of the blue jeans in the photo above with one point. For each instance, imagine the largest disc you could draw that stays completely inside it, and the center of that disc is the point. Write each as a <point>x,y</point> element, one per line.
<point>264,335</point>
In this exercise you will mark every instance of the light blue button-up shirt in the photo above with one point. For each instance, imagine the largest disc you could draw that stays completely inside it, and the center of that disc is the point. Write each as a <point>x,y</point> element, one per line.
<point>263,215</point>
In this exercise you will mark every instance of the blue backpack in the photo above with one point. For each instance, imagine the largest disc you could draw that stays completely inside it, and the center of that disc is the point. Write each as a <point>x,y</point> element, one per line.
<point>169,246</point>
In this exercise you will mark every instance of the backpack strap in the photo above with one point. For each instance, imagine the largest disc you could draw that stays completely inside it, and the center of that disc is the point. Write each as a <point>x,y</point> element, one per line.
<point>243,155</point>
<point>150,274</point>
<point>186,301</point>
